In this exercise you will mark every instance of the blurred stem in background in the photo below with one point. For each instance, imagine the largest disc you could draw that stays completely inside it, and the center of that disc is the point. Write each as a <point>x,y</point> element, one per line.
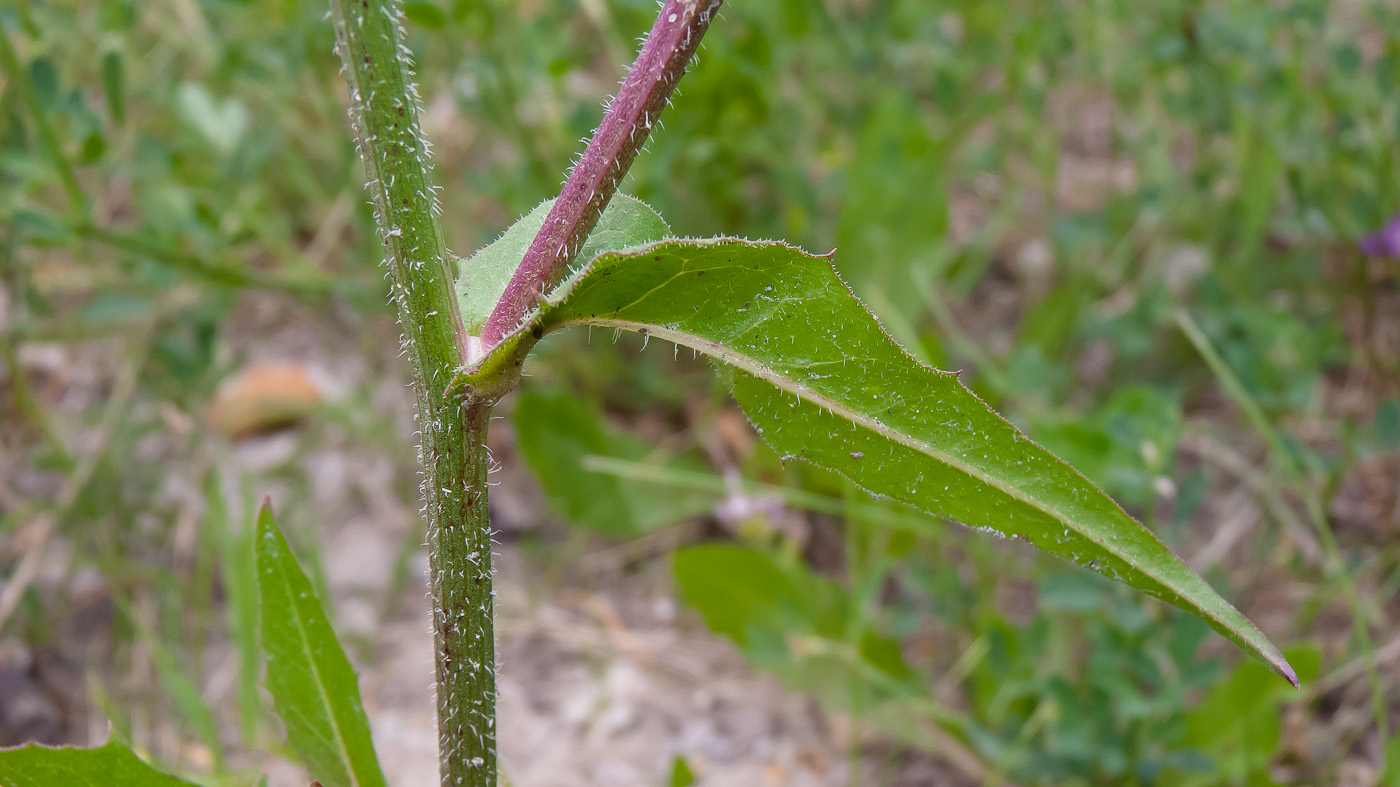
<point>8,59</point>
<point>1334,567</point>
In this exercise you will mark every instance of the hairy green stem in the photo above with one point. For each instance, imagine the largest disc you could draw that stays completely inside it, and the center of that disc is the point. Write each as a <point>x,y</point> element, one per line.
<point>460,579</point>
<point>384,108</point>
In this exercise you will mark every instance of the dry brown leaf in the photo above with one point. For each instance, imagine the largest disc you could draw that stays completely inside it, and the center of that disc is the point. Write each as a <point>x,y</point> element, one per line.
<point>263,397</point>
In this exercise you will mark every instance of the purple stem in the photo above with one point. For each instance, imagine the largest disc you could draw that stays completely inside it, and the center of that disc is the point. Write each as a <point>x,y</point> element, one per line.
<point>644,93</point>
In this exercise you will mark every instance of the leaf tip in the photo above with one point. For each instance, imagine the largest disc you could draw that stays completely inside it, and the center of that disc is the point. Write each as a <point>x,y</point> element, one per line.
<point>1272,658</point>
<point>266,519</point>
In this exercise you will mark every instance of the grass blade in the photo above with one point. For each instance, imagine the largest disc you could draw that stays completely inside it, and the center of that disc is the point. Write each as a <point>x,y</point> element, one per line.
<point>184,693</point>
<point>1333,565</point>
<point>240,588</point>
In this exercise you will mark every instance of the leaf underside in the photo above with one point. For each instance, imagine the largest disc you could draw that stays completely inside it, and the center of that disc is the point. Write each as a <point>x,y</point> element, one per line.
<point>822,382</point>
<point>313,686</point>
<point>626,222</point>
<point>109,765</point>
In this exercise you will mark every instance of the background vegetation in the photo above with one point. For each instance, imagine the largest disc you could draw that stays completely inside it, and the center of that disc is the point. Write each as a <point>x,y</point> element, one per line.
<point>1133,226</point>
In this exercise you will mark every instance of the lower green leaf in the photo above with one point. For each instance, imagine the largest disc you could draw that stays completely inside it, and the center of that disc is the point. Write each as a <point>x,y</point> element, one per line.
<point>1238,723</point>
<point>800,626</point>
<point>556,431</point>
<point>110,765</point>
<point>740,593</point>
<point>313,686</point>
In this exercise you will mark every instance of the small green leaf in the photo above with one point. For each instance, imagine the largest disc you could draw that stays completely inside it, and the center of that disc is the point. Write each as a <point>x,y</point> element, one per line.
<point>1387,425</point>
<point>896,201</point>
<point>114,86</point>
<point>626,223</point>
<point>1238,722</point>
<point>557,431</point>
<point>313,686</point>
<point>222,123</point>
<point>1260,169</point>
<point>110,765</point>
<point>115,308</point>
<point>1391,777</point>
<point>681,774</point>
<point>426,15</point>
<point>822,382</point>
<point>44,77</point>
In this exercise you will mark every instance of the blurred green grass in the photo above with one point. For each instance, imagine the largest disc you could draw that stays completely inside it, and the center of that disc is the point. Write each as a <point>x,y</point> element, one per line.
<point>1028,191</point>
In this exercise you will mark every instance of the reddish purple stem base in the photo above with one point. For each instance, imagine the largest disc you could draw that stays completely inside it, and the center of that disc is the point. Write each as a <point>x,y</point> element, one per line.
<point>626,124</point>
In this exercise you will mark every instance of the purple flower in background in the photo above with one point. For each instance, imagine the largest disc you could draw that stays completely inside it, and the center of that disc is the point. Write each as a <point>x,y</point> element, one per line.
<point>1385,243</point>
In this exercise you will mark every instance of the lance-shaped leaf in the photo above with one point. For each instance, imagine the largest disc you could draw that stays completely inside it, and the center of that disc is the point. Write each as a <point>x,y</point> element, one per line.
<point>821,381</point>
<point>313,686</point>
<point>109,765</point>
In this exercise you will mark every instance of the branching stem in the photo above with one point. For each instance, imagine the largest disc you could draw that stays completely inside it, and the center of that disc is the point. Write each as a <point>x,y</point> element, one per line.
<point>625,127</point>
<point>384,108</point>
<point>453,420</point>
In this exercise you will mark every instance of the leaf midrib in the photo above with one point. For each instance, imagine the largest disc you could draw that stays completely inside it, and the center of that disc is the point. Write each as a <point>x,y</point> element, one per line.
<point>763,372</point>
<point>315,669</point>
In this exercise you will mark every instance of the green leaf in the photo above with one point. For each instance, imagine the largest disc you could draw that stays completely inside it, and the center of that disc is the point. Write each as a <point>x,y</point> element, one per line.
<point>44,77</point>
<point>426,15</point>
<point>1238,722</point>
<point>1386,429</point>
<point>115,308</point>
<point>114,86</point>
<point>681,774</point>
<point>222,123</point>
<point>627,222</point>
<point>740,593</point>
<point>1260,168</point>
<point>313,686</point>
<point>822,382</point>
<point>557,431</point>
<point>111,765</point>
<point>794,623</point>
